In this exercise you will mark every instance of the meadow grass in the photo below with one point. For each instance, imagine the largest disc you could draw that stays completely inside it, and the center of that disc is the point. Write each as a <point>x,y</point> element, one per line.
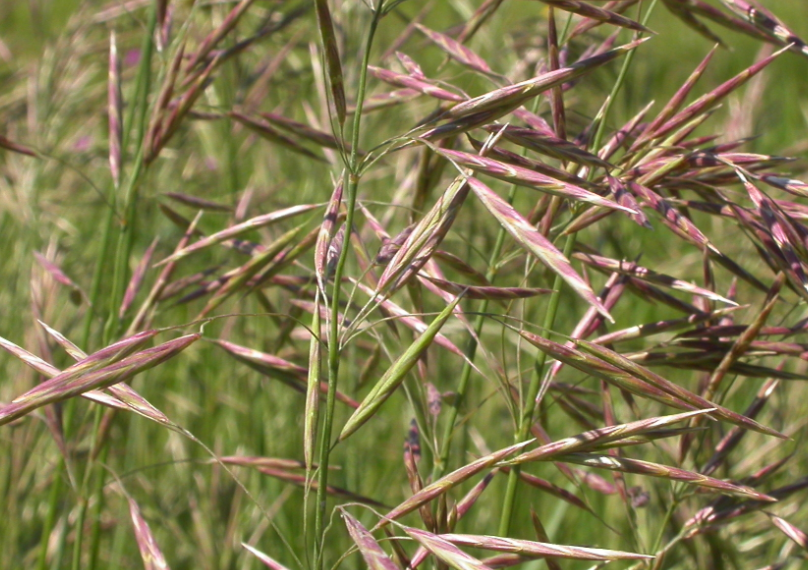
<point>393,284</point>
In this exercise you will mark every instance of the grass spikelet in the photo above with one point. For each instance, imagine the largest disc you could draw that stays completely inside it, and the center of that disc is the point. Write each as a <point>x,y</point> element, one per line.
<point>121,396</point>
<point>541,534</point>
<point>791,531</point>
<point>133,288</point>
<point>535,243</point>
<point>332,60</point>
<point>233,231</point>
<point>550,145</point>
<point>447,482</point>
<point>425,237</point>
<point>390,246</point>
<point>198,203</point>
<point>687,230</point>
<point>524,177</point>
<point>539,549</point>
<point>153,558</point>
<point>504,100</point>
<point>591,321</point>
<point>217,35</point>
<point>396,374</point>
<point>266,131</point>
<point>456,50</point>
<point>161,106</point>
<point>30,359</point>
<point>767,23</point>
<point>109,355</point>
<point>706,102</point>
<point>487,292</point>
<point>414,83</point>
<point>623,197</point>
<point>461,267</point>
<point>306,132</point>
<point>49,371</point>
<point>76,293</point>
<point>601,437</point>
<point>313,382</point>
<point>272,462</point>
<point>410,65</point>
<point>141,318</point>
<point>239,277</point>
<point>268,562</point>
<point>86,375</point>
<point>179,111</point>
<point>326,234</point>
<point>744,340</point>
<point>595,13</point>
<point>631,268</point>
<point>287,372</point>
<point>674,389</point>
<point>445,551</point>
<point>639,467</point>
<point>508,157</point>
<point>607,372</point>
<point>115,112</point>
<point>413,322</point>
<point>373,554</point>
<point>796,187</point>
<point>470,499</point>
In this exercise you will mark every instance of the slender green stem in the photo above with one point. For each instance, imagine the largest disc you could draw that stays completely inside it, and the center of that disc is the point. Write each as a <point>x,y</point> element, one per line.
<point>70,407</point>
<point>120,275</point>
<point>532,401</point>
<point>471,350</point>
<point>97,491</point>
<point>126,238</point>
<point>50,519</point>
<point>531,405</point>
<point>441,464</point>
<point>333,336</point>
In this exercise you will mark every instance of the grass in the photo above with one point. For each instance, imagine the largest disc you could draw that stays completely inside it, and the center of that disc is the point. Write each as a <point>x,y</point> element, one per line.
<point>256,249</point>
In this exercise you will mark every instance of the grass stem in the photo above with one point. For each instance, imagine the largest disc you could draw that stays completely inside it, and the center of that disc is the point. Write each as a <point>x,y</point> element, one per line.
<point>334,324</point>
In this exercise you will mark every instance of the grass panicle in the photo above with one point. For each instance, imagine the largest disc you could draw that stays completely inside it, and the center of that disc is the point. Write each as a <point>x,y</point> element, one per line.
<point>557,249</point>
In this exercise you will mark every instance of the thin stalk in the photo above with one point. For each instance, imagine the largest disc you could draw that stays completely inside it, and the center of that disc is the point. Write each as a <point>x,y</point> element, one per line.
<point>533,397</point>
<point>127,235</point>
<point>50,518</point>
<point>666,519</point>
<point>471,351</point>
<point>123,253</point>
<point>95,514</point>
<point>531,404</point>
<point>442,461</point>
<point>333,340</point>
<point>70,406</point>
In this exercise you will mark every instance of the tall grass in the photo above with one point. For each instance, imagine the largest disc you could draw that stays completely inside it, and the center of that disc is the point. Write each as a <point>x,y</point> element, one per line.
<point>394,284</point>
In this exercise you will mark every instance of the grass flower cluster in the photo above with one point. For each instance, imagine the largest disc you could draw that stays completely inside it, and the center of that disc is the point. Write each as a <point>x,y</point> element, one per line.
<point>398,284</point>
